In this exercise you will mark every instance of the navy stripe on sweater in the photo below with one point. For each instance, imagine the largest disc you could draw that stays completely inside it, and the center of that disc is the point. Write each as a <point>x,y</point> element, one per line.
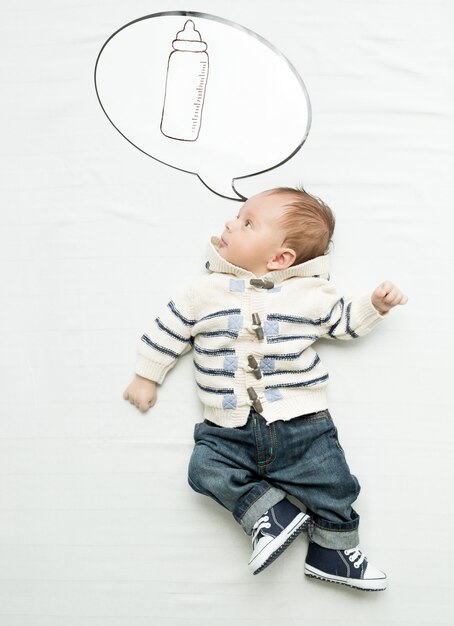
<point>294,319</point>
<point>285,357</point>
<point>215,390</point>
<point>315,362</point>
<point>159,348</point>
<point>306,383</point>
<point>219,333</point>
<point>167,330</point>
<point>220,314</point>
<point>336,324</point>
<point>214,372</point>
<point>350,330</point>
<point>176,312</point>
<point>281,338</point>
<point>214,352</point>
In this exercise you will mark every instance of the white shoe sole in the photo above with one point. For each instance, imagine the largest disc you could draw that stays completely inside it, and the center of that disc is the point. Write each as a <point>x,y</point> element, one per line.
<point>368,584</point>
<point>274,548</point>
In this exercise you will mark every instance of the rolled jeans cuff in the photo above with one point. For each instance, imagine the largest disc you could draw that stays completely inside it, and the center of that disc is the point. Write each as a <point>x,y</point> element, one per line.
<point>334,536</point>
<point>254,505</point>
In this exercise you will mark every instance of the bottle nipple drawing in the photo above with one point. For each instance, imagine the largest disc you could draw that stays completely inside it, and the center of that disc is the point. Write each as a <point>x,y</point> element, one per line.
<point>187,74</point>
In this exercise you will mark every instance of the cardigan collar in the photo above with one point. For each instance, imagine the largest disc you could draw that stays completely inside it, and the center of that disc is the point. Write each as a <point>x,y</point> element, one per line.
<point>316,268</point>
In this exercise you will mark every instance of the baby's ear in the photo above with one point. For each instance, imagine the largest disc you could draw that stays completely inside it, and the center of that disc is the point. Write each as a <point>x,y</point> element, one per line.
<point>284,258</point>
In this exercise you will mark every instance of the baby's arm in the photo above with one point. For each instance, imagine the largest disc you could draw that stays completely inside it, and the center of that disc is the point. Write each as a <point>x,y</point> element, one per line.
<point>386,296</point>
<point>351,318</point>
<point>168,338</point>
<point>141,392</point>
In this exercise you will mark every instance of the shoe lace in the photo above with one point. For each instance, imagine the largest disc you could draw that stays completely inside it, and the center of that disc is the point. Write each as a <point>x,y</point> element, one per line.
<point>355,556</point>
<point>262,522</point>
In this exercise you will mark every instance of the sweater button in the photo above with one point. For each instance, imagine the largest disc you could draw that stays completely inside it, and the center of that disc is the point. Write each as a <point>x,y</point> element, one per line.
<point>252,362</point>
<point>261,283</point>
<point>255,399</point>
<point>257,326</point>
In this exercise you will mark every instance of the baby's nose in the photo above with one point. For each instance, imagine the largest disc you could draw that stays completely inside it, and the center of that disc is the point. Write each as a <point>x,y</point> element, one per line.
<point>229,225</point>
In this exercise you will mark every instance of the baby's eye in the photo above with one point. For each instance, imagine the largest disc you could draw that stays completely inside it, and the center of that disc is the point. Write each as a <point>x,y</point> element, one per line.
<point>248,224</point>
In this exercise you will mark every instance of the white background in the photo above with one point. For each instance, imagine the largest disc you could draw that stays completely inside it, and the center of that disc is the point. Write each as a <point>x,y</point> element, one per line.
<point>97,524</point>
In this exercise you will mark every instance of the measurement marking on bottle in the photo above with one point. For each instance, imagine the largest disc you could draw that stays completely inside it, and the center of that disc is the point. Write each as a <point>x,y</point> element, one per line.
<point>187,74</point>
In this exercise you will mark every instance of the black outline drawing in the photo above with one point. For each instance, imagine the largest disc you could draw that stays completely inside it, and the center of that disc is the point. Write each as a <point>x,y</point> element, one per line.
<point>186,80</point>
<point>251,33</point>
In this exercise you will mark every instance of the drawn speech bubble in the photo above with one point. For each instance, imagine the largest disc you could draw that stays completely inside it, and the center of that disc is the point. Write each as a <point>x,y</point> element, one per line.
<point>203,95</point>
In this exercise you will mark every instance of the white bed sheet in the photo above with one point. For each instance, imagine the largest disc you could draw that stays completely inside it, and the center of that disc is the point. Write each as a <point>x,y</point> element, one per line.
<point>97,524</point>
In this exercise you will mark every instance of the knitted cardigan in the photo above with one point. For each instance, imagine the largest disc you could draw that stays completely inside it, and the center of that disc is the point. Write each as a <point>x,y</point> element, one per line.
<point>252,338</point>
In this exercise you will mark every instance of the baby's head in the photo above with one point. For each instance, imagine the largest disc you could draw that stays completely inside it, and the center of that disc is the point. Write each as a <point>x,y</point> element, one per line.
<point>276,229</point>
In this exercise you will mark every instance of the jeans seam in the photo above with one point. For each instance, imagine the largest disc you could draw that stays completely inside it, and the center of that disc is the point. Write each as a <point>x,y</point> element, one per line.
<point>273,441</point>
<point>259,450</point>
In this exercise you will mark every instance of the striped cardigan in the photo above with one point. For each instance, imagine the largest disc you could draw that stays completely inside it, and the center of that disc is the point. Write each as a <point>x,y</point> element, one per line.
<point>253,338</point>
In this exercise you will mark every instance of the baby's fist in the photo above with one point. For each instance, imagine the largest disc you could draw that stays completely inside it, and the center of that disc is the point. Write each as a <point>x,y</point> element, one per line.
<point>386,296</point>
<point>141,392</point>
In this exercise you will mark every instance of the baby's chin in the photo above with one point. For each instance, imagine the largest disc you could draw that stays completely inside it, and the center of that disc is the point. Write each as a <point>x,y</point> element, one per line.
<point>220,246</point>
<point>224,252</point>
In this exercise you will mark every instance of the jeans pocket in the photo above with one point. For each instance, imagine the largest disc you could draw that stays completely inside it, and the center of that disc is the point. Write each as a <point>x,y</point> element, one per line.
<point>197,427</point>
<point>319,416</point>
<point>201,428</point>
<point>211,424</point>
<point>335,436</point>
<point>315,417</point>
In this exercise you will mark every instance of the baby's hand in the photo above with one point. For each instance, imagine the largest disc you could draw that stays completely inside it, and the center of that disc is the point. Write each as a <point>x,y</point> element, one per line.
<point>386,296</point>
<point>141,392</point>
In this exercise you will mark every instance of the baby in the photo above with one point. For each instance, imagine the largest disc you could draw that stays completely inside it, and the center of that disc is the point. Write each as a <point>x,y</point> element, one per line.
<point>267,434</point>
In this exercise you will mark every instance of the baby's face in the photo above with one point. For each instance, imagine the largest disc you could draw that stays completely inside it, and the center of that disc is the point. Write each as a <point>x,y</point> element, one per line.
<point>252,239</point>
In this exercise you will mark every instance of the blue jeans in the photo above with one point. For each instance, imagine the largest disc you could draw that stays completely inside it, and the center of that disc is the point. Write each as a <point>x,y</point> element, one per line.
<point>250,469</point>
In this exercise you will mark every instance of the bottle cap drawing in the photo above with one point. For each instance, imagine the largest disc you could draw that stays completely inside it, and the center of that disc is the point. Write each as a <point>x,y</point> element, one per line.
<point>189,39</point>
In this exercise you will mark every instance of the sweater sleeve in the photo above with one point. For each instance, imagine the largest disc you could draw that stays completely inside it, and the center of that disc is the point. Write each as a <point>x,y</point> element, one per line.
<point>345,318</point>
<point>167,338</point>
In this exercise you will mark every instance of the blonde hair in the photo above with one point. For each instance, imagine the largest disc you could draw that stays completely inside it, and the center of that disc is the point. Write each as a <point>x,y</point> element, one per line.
<point>308,222</point>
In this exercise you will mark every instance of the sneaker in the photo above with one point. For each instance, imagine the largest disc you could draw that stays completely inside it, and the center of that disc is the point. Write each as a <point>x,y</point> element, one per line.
<point>346,567</point>
<point>274,532</point>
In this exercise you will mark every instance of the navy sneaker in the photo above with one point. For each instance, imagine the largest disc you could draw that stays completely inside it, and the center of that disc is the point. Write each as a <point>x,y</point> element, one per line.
<point>274,532</point>
<point>346,567</point>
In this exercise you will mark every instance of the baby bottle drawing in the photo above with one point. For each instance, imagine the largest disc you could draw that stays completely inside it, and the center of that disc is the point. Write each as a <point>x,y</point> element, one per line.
<point>187,73</point>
